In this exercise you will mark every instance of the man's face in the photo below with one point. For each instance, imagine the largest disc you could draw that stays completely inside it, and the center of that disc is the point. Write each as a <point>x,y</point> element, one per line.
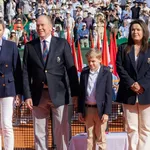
<point>44,27</point>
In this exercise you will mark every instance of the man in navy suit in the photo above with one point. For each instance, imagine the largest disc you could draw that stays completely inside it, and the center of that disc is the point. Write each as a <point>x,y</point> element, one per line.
<point>47,61</point>
<point>10,87</point>
<point>95,99</point>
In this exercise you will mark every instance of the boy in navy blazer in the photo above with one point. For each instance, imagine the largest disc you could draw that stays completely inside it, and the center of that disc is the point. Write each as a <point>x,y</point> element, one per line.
<point>95,99</point>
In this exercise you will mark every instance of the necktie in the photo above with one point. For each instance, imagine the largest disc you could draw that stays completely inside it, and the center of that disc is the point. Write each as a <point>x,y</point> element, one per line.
<point>45,51</point>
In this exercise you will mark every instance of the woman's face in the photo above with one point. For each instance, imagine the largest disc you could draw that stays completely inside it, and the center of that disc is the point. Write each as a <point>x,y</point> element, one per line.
<point>136,32</point>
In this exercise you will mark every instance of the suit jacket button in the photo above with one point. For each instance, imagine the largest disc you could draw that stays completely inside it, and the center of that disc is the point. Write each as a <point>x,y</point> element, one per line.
<point>45,70</point>
<point>4,84</point>
<point>42,82</point>
<point>6,65</point>
<point>3,76</point>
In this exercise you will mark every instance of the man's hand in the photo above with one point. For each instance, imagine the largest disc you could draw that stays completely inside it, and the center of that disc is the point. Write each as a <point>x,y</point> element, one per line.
<point>80,117</point>
<point>18,100</point>
<point>75,101</point>
<point>29,103</point>
<point>104,118</point>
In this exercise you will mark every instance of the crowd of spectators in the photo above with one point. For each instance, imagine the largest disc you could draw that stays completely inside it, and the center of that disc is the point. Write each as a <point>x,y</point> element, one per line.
<point>84,18</point>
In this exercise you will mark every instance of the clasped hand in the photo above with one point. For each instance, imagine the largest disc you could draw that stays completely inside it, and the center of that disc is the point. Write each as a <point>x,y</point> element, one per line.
<point>136,87</point>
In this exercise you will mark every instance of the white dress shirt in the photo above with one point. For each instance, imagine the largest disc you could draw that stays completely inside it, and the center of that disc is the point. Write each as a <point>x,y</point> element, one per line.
<point>91,87</point>
<point>48,41</point>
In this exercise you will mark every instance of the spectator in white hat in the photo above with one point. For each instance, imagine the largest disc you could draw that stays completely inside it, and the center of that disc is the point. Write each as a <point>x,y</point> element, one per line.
<point>100,19</point>
<point>75,3</point>
<point>6,33</point>
<point>69,21</point>
<point>10,11</point>
<point>91,8</point>
<point>70,8</point>
<point>13,37</point>
<point>32,28</point>
<point>51,5</point>
<point>95,35</point>
<point>84,36</point>
<point>85,4</point>
<point>124,30</point>
<point>78,11</point>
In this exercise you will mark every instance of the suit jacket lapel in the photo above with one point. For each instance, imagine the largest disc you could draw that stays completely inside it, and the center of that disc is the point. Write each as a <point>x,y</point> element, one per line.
<point>141,59</point>
<point>52,49</point>
<point>37,47</point>
<point>132,58</point>
<point>86,78</point>
<point>100,74</point>
<point>3,53</point>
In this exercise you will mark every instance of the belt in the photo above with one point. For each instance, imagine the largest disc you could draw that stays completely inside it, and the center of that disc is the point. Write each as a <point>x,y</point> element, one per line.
<point>87,105</point>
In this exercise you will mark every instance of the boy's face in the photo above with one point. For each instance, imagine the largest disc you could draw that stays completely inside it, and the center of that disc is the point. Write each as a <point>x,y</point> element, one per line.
<point>94,63</point>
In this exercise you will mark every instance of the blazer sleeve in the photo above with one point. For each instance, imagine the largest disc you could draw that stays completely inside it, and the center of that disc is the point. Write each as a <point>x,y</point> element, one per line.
<point>123,74</point>
<point>17,71</point>
<point>108,97</point>
<point>81,98</point>
<point>26,73</point>
<point>145,81</point>
<point>71,70</point>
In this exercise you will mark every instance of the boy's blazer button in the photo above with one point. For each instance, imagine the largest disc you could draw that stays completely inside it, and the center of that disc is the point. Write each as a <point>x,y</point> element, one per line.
<point>4,84</point>
<point>45,70</point>
<point>6,65</point>
<point>3,76</point>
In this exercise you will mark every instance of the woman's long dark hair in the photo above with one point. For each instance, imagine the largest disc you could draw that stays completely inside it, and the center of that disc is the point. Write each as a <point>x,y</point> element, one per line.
<point>145,38</point>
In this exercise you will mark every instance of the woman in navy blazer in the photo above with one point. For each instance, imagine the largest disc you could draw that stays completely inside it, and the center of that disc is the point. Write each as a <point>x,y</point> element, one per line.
<point>133,66</point>
<point>10,87</point>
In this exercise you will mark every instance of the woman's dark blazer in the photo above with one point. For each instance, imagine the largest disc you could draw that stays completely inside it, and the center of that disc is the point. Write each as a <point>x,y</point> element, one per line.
<point>129,73</point>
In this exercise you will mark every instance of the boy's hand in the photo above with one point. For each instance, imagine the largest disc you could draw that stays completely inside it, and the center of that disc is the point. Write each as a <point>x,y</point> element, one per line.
<point>75,101</point>
<point>104,118</point>
<point>80,117</point>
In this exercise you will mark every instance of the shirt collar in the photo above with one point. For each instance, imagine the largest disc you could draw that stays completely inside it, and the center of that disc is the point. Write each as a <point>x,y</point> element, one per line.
<point>48,39</point>
<point>95,72</point>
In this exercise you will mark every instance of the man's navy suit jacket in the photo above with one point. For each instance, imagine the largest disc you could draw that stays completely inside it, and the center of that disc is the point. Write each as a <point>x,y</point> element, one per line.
<point>59,64</point>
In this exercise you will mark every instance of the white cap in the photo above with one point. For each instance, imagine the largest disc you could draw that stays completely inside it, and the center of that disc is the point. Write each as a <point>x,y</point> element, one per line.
<point>19,19</point>
<point>33,17</point>
<point>80,6</point>
<point>13,31</point>
<point>68,12</point>
<point>83,24</point>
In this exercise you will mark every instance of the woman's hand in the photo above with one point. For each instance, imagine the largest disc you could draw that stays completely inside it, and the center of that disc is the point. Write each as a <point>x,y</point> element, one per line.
<point>136,87</point>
